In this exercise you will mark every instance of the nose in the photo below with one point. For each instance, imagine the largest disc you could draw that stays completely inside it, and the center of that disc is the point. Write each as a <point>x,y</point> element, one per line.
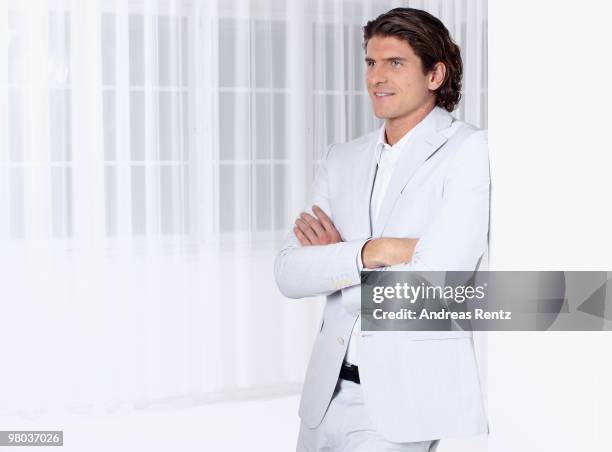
<point>376,75</point>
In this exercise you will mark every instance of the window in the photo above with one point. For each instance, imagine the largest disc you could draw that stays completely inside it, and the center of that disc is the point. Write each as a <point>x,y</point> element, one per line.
<point>252,158</point>
<point>151,175</point>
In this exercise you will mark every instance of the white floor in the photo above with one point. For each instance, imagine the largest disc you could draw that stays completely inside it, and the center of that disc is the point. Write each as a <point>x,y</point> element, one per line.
<point>258,425</point>
<point>269,425</point>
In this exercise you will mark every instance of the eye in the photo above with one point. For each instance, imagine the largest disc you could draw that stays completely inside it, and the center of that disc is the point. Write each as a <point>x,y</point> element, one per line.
<point>369,63</point>
<point>396,63</point>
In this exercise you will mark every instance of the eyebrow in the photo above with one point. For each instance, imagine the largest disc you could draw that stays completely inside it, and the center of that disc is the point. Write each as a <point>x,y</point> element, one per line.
<point>385,59</point>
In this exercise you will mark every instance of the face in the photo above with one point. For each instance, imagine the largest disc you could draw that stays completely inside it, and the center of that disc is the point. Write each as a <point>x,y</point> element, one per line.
<point>395,80</point>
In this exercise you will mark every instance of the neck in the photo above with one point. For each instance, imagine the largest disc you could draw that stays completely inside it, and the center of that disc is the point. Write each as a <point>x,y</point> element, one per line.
<point>396,128</point>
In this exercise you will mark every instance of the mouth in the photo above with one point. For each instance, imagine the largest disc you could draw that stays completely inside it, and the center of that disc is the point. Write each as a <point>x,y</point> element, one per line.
<point>380,94</point>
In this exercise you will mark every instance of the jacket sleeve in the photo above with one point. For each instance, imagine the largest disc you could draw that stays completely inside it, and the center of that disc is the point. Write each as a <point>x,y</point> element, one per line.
<point>457,237</point>
<point>307,271</point>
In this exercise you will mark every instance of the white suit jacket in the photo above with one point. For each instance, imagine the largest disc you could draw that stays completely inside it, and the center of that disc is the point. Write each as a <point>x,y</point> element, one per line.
<point>417,385</point>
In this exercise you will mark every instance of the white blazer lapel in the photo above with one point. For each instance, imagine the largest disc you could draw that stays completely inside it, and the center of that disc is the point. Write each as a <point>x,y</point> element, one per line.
<point>424,144</point>
<point>366,170</point>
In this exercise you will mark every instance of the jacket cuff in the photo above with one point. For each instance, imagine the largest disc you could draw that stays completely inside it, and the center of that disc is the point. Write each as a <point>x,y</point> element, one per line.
<point>360,266</point>
<point>350,256</point>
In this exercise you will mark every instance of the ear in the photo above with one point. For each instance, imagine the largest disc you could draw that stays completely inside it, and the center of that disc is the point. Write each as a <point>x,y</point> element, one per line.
<point>437,76</point>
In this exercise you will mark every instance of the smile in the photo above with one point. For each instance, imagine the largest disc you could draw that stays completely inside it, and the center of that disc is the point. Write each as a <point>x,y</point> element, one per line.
<point>383,94</point>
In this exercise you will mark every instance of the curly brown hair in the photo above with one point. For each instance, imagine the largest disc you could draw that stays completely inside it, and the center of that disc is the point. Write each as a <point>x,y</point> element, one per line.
<point>430,40</point>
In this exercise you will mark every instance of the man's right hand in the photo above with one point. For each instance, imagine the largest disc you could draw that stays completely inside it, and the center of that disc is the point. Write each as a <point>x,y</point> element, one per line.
<point>387,251</point>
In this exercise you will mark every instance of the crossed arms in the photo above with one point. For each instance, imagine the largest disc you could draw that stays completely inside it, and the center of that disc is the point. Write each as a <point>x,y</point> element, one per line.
<point>314,260</point>
<point>376,253</point>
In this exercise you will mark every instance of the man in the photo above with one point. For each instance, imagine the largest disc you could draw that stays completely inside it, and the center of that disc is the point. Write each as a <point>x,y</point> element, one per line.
<point>412,196</point>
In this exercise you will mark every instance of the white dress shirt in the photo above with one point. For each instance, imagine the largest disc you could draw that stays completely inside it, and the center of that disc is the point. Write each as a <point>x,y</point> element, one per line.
<point>387,157</point>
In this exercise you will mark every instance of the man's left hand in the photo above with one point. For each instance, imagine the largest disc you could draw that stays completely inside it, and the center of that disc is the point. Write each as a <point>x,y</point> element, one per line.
<point>316,231</point>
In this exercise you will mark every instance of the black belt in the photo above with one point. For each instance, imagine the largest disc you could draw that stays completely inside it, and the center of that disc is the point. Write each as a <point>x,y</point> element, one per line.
<point>349,372</point>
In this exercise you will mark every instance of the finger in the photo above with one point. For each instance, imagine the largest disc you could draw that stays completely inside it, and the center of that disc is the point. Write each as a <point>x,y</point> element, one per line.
<point>306,230</point>
<point>314,224</point>
<point>301,237</point>
<point>298,235</point>
<point>323,218</point>
<point>327,223</point>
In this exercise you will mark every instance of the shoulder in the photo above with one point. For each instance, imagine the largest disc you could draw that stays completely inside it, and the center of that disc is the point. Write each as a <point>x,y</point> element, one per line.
<point>466,132</point>
<point>469,157</point>
<point>349,149</point>
<point>469,141</point>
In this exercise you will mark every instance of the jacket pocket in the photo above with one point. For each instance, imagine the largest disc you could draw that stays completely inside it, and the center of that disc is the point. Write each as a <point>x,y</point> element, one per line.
<point>433,335</point>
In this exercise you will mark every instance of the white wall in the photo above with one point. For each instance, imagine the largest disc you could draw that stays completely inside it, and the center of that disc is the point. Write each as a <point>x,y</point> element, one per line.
<point>549,119</point>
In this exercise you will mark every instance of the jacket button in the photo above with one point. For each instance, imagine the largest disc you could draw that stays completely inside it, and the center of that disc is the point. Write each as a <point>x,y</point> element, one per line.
<point>340,340</point>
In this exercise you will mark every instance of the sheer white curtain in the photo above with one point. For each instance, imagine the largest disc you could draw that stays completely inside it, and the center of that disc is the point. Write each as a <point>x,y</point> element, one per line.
<point>152,155</point>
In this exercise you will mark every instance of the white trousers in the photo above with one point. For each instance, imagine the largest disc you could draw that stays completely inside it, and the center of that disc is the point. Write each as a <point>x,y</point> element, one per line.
<point>346,427</point>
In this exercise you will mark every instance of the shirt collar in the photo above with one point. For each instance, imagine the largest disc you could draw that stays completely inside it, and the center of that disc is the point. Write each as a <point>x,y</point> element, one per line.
<point>381,143</point>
